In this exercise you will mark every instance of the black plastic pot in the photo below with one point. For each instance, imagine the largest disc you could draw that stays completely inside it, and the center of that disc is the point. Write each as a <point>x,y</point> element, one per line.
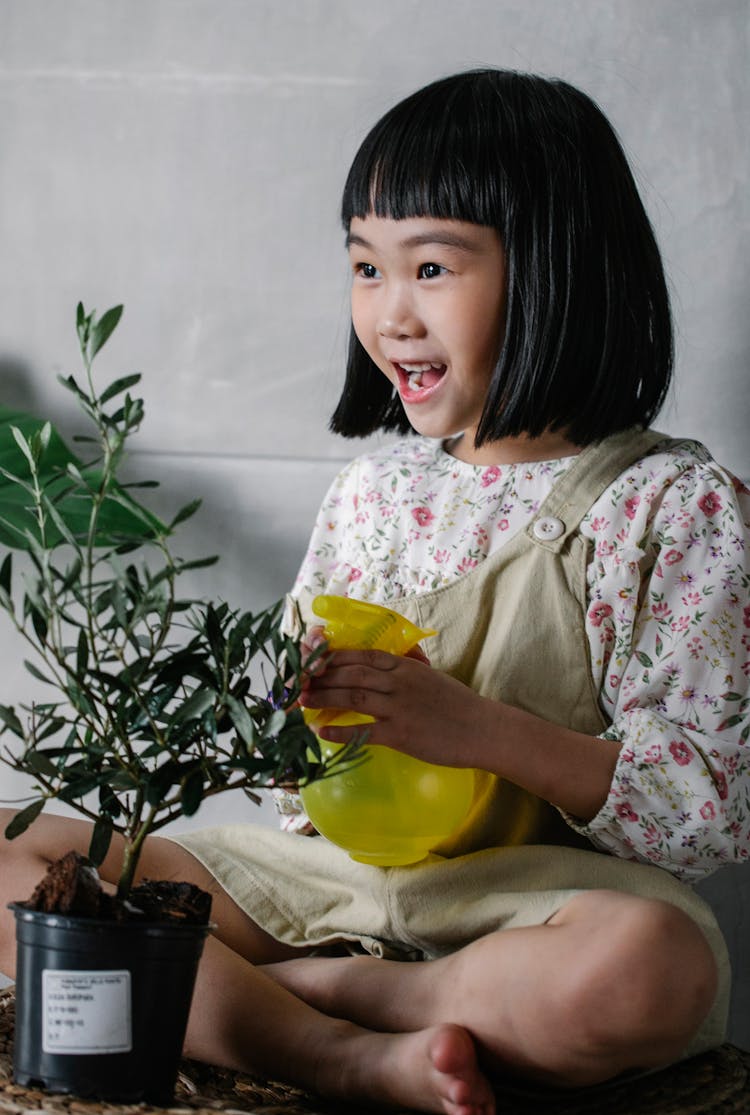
<point>102,1006</point>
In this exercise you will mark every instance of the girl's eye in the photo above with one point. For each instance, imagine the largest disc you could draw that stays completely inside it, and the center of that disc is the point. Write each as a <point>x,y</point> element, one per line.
<point>366,270</point>
<point>430,270</point>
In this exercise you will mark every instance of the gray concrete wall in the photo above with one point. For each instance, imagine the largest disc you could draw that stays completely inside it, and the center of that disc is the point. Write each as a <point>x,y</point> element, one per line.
<point>185,157</point>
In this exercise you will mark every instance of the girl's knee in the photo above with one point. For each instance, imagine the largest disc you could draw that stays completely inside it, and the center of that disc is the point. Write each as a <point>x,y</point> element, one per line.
<point>650,982</point>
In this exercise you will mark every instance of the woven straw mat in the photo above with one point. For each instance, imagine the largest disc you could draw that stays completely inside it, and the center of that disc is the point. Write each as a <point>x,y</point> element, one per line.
<point>716,1083</point>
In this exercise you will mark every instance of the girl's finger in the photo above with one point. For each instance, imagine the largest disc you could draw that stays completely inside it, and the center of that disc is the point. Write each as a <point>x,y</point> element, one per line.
<point>312,646</point>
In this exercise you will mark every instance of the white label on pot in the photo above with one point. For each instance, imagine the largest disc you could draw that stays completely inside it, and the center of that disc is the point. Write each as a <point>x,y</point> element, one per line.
<point>86,1012</point>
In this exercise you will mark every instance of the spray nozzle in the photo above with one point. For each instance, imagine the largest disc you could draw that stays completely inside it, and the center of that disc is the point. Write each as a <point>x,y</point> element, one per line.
<point>356,625</point>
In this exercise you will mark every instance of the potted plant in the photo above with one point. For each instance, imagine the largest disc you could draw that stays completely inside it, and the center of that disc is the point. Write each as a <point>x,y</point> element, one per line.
<point>149,707</point>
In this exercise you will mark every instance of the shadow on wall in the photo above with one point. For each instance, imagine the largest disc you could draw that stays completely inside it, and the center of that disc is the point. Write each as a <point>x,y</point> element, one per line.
<point>16,390</point>
<point>728,894</point>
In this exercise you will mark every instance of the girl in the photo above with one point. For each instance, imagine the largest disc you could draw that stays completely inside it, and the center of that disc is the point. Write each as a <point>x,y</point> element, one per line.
<point>587,577</point>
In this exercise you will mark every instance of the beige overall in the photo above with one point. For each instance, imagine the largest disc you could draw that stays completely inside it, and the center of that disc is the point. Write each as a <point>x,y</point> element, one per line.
<point>512,629</point>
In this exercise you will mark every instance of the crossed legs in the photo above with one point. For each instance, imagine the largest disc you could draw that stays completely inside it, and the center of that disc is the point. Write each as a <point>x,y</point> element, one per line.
<point>610,983</point>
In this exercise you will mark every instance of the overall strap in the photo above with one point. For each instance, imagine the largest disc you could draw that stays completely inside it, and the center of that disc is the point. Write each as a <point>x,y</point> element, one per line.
<point>594,469</point>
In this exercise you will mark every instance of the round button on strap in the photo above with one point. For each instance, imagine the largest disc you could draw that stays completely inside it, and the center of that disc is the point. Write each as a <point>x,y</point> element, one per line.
<point>548,528</point>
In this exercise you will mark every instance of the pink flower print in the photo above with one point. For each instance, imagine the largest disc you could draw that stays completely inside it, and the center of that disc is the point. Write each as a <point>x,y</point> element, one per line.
<point>681,624</point>
<point>651,833</point>
<point>467,563</point>
<point>598,613</point>
<point>746,616</point>
<point>681,753</point>
<point>625,811</point>
<point>614,680</point>
<point>652,754</point>
<point>720,780</point>
<point>354,575</point>
<point>491,475</point>
<point>731,763</point>
<point>710,504</point>
<point>661,610</point>
<point>503,524</point>
<point>708,811</point>
<point>672,557</point>
<point>423,515</point>
<point>441,556</point>
<point>693,599</point>
<point>599,524</point>
<point>604,548</point>
<point>631,506</point>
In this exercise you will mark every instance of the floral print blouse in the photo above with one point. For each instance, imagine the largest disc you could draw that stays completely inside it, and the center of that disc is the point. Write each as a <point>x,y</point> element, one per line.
<point>668,618</point>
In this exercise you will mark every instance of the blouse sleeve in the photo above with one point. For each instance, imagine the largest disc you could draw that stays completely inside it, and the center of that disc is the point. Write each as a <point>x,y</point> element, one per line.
<point>669,628</point>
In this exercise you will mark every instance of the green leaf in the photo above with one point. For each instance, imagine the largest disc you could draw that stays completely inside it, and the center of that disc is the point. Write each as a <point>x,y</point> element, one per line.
<point>39,623</point>
<point>185,513</point>
<point>191,793</point>
<point>37,673</point>
<point>51,728</point>
<point>22,820</point>
<point>11,721</point>
<point>274,725</point>
<point>39,762</point>
<point>194,706</point>
<point>242,721</point>
<point>730,722</point>
<point>23,445</point>
<point>80,317</point>
<point>6,573</point>
<point>101,838</point>
<point>644,659</point>
<point>214,634</point>
<point>82,652</point>
<point>118,386</point>
<point>103,329</point>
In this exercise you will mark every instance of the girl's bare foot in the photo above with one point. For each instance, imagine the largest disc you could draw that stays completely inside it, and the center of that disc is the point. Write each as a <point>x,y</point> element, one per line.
<point>429,1070</point>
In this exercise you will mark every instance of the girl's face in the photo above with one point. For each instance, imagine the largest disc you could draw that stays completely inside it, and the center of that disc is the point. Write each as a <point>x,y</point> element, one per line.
<point>428,306</point>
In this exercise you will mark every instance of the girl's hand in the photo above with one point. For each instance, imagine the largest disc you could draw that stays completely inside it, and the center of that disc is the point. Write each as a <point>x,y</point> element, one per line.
<point>416,709</point>
<point>434,717</point>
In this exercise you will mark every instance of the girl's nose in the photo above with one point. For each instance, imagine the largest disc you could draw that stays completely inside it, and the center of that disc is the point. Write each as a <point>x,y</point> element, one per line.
<point>398,317</point>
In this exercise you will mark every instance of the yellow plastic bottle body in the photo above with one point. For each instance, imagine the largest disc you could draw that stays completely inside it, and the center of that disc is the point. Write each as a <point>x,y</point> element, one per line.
<point>391,809</point>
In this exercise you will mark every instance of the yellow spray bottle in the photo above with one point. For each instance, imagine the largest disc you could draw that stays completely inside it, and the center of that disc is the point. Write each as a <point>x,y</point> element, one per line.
<point>391,808</point>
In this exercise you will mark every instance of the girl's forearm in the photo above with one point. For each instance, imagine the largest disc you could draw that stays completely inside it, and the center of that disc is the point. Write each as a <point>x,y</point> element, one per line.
<point>571,770</point>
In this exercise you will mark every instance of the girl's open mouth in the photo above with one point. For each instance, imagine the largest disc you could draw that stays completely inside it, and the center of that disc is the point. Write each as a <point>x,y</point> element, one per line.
<point>416,382</point>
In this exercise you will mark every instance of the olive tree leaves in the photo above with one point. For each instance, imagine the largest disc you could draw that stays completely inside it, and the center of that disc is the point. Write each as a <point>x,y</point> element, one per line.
<point>151,702</point>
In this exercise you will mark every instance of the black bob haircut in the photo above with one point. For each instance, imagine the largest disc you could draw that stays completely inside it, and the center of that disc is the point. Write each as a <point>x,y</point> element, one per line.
<point>588,345</point>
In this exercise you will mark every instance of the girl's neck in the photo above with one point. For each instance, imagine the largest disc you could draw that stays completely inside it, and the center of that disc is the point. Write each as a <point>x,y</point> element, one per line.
<point>548,446</point>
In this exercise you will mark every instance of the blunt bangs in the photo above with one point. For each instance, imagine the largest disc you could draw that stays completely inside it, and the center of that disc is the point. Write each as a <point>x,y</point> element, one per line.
<point>588,342</point>
<point>421,160</point>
